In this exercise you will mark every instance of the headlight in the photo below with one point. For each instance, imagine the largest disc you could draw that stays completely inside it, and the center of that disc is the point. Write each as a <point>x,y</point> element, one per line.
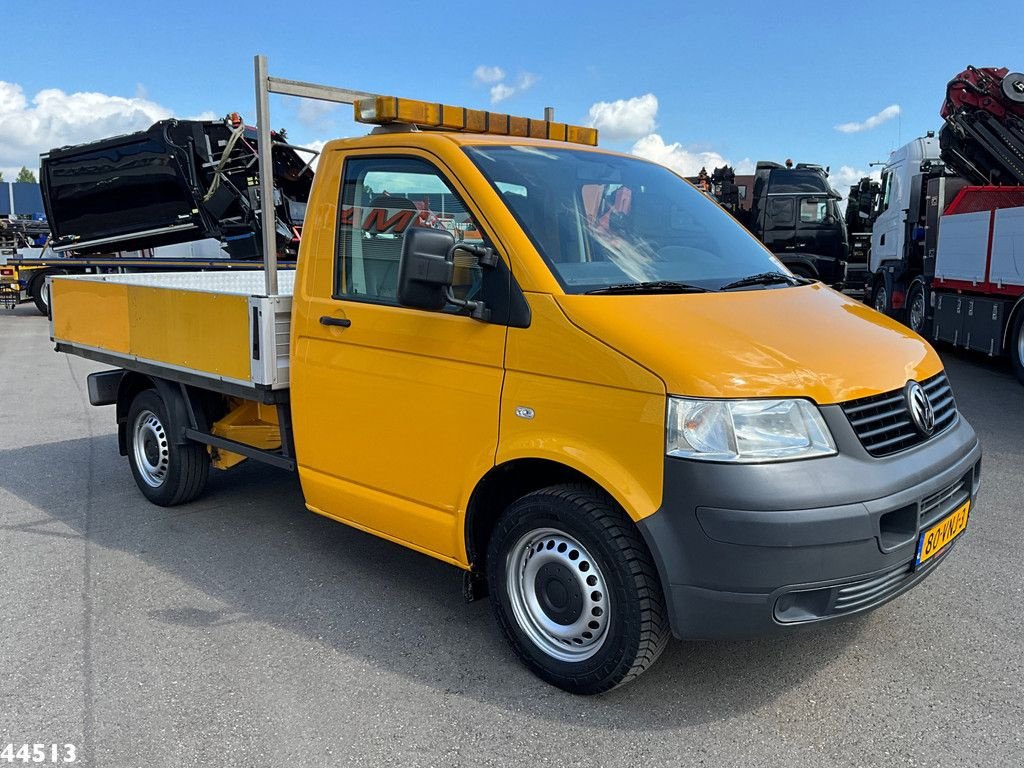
<point>746,430</point>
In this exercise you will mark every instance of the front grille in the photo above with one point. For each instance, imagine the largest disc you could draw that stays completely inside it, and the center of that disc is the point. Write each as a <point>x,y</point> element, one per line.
<point>883,423</point>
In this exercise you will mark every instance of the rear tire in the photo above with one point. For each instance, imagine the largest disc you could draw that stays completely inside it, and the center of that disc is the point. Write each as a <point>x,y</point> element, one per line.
<point>167,473</point>
<point>917,309</point>
<point>1016,346</point>
<point>40,291</point>
<point>880,298</point>
<point>574,589</point>
<point>41,296</point>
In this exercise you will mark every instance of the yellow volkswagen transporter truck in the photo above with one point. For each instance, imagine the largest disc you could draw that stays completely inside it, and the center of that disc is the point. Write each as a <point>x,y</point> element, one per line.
<point>560,369</point>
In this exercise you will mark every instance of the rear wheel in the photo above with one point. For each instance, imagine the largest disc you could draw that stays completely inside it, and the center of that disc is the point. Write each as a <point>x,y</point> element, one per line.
<point>880,298</point>
<point>575,591</point>
<point>40,291</point>
<point>1017,345</point>
<point>41,296</point>
<point>917,308</point>
<point>167,473</point>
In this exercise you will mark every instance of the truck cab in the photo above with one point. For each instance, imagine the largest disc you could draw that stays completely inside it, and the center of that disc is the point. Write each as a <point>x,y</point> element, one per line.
<point>794,213</point>
<point>562,370</point>
<point>899,194</point>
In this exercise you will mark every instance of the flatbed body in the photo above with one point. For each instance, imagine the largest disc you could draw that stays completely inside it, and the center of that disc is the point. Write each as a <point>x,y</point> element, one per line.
<point>217,329</point>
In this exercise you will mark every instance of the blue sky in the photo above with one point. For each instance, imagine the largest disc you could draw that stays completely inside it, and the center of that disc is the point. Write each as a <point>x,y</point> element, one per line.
<point>742,81</point>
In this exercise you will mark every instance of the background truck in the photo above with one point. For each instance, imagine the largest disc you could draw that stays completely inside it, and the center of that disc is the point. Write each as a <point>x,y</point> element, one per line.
<point>583,384</point>
<point>948,222</point>
<point>859,216</point>
<point>792,210</point>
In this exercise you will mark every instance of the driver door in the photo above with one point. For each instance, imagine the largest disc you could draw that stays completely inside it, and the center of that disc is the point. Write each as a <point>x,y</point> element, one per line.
<point>399,405</point>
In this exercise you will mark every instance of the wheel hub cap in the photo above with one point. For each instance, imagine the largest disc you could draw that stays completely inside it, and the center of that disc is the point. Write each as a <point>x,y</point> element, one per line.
<point>559,594</point>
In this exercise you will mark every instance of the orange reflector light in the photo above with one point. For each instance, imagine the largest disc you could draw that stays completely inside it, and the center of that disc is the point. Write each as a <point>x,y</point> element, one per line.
<point>386,110</point>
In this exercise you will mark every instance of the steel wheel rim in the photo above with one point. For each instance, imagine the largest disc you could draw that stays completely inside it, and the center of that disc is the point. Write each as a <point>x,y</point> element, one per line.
<point>546,561</point>
<point>917,311</point>
<point>881,299</point>
<point>151,449</point>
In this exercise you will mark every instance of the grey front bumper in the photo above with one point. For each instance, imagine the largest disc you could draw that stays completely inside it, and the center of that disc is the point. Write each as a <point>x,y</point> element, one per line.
<point>748,549</point>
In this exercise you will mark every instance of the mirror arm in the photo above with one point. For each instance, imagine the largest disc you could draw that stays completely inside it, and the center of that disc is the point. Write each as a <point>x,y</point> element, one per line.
<point>486,257</point>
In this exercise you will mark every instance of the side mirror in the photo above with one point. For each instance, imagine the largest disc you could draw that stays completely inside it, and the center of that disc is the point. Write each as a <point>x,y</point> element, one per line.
<point>424,269</point>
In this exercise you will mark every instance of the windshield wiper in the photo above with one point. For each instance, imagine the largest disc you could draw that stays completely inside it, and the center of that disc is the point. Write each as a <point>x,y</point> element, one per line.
<point>765,278</point>
<point>652,286</point>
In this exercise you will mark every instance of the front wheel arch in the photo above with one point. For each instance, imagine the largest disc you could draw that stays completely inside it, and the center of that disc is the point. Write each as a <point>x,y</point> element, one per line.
<point>499,488</point>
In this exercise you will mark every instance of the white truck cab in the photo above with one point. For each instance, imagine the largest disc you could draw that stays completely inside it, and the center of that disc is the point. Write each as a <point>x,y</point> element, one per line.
<point>888,235</point>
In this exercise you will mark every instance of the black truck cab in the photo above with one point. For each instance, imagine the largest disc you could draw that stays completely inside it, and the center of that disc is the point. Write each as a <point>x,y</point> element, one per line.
<point>793,212</point>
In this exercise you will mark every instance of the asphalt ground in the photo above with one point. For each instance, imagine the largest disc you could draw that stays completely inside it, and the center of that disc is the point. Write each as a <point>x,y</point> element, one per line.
<point>242,630</point>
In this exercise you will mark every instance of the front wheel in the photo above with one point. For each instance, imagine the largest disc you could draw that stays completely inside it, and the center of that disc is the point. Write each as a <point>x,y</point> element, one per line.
<point>167,472</point>
<point>574,589</point>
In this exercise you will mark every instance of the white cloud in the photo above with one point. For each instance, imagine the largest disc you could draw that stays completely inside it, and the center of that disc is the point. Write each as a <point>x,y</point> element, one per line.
<point>679,158</point>
<point>484,74</point>
<point>625,118</point>
<point>887,114</point>
<point>317,145</point>
<point>745,167</point>
<point>54,118</point>
<point>314,114</point>
<point>502,91</point>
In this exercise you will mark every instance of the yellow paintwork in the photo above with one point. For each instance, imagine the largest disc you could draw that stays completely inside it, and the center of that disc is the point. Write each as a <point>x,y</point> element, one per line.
<point>398,413</point>
<point>248,422</point>
<point>198,330</point>
<point>201,331</point>
<point>807,341</point>
<point>595,410</point>
<point>92,314</point>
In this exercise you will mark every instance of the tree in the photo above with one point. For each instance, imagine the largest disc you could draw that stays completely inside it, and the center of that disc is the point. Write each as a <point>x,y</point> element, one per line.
<point>26,175</point>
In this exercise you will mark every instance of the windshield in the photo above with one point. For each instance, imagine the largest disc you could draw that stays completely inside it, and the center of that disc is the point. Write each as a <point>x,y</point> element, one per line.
<point>601,220</point>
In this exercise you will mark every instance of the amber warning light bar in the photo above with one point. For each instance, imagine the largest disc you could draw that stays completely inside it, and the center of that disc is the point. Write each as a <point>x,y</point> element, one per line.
<point>390,110</point>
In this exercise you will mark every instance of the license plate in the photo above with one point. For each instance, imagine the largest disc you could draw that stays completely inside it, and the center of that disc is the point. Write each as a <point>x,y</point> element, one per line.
<point>936,538</point>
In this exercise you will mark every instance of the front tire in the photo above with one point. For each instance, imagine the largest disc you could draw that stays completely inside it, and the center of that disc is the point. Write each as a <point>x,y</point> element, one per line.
<point>574,589</point>
<point>166,472</point>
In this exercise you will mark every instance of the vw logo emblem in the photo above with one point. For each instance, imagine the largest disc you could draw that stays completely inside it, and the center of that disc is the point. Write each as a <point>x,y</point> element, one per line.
<point>921,411</point>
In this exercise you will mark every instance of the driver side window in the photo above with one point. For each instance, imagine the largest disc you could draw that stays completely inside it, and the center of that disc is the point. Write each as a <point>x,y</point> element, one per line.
<point>381,199</point>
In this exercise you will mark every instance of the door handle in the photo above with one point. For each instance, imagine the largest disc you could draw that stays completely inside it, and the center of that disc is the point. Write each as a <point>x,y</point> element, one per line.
<point>881,240</point>
<point>341,322</point>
